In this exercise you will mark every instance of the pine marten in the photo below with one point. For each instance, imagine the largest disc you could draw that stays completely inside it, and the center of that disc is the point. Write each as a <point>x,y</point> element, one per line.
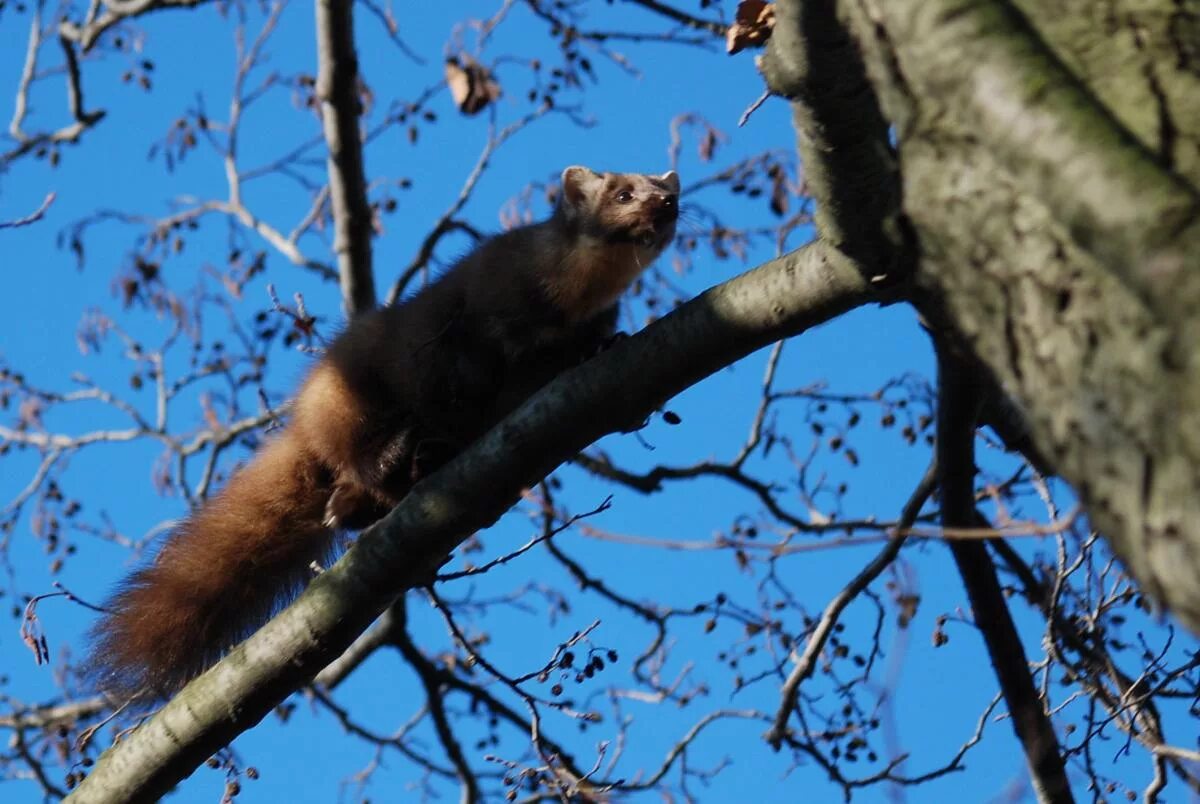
<point>397,394</point>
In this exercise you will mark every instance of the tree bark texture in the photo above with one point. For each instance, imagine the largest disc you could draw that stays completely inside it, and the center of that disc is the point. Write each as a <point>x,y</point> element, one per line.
<point>1049,162</point>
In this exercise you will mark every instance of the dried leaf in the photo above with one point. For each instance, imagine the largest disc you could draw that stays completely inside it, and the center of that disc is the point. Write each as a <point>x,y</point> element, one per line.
<point>471,84</point>
<point>708,145</point>
<point>907,605</point>
<point>779,195</point>
<point>209,412</point>
<point>32,636</point>
<point>751,27</point>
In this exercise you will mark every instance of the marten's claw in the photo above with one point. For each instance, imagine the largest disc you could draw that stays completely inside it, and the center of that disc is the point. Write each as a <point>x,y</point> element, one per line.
<point>353,507</point>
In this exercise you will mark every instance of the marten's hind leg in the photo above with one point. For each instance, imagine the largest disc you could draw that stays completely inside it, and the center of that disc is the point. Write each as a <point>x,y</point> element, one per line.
<point>356,442</point>
<point>371,485</point>
<point>353,507</point>
<point>367,492</point>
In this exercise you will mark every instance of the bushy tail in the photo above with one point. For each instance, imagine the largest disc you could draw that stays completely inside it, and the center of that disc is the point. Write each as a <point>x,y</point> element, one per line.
<point>221,574</point>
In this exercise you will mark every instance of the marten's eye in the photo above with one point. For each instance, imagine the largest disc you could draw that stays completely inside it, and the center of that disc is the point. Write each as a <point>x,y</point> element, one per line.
<point>624,196</point>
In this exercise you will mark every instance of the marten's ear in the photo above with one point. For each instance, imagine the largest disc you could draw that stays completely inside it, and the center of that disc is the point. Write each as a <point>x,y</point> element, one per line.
<point>671,179</point>
<point>578,183</point>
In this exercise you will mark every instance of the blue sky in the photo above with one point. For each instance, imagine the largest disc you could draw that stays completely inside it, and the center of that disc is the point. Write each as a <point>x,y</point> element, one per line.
<point>938,695</point>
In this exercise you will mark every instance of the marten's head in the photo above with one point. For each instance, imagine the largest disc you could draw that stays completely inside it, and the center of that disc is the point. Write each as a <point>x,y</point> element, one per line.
<point>616,224</point>
<point>632,208</point>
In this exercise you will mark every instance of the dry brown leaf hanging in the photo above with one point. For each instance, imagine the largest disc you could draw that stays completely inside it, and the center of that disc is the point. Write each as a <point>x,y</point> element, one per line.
<point>471,84</point>
<point>752,24</point>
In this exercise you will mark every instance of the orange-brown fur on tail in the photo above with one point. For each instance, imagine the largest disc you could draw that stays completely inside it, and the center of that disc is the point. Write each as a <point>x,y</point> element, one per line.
<point>401,391</point>
<point>221,573</point>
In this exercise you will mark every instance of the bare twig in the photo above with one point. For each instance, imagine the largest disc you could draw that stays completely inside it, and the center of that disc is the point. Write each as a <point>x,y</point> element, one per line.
<point>82,120</point>
<point>824,627</point>
<point>388,19</point>
<point>115,12</point>
<point>32,217</point>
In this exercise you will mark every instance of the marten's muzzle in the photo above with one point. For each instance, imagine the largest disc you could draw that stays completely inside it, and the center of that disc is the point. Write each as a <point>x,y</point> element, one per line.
<point>665,209</point>
<point>663,212</point>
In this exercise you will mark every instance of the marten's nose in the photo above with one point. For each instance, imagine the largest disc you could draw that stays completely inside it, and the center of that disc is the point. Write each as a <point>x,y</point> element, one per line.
<point>667,207</point>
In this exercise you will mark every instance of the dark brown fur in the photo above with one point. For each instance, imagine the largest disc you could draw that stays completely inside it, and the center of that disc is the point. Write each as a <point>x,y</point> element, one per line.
<point>401,391</point>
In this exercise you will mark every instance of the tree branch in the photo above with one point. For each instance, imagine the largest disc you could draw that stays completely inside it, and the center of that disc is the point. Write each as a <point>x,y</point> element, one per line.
<point>337,90</point>
<point>829,618</point>
<point>849,165</point>
<point>684,19</point>
<point>82,120</point>
<point>427,673</point>
<point>958,406</point>
<point>781,298</point>
<point>115,11</point>
<point>32,217</point>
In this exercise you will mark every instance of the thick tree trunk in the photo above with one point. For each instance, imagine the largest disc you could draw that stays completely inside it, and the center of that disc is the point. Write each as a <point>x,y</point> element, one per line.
<point>1049,163</point>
